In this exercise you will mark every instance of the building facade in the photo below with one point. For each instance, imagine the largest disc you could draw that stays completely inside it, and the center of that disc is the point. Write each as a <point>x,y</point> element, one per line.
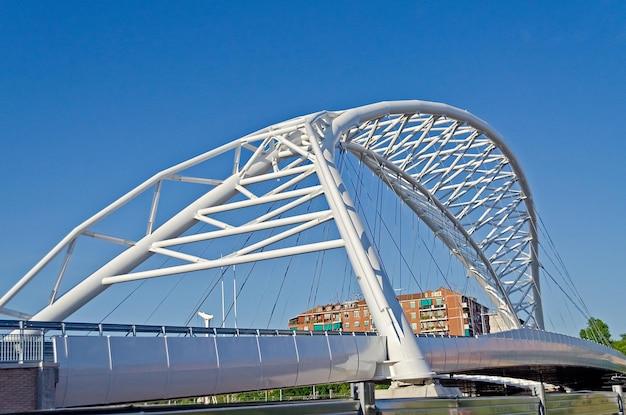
<point>441,311</point>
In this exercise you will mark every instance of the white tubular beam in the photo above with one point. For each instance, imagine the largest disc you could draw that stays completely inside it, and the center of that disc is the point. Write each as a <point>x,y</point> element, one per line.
<point>259,200</point>
<point>178,255</point>
<point>91,286</point>
<point>108,210</point>
<point>407,360</point>
<point>226,261</point>
<point>155,203</point>
<point>355,117</point>
<point>505,308</point>
<point>277,175</point>
<point>251,227</point>
<point>236,145</point>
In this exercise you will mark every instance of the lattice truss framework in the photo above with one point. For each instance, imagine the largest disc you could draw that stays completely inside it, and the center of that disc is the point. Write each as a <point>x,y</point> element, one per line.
<point>448,166</point>
<point>461,183</point>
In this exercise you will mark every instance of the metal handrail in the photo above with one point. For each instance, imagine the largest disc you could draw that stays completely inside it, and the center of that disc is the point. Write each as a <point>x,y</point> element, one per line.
<point>133,329</point>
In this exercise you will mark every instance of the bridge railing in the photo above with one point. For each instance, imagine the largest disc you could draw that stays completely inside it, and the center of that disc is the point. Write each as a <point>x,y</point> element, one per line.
<point>25,327</point>
<point>23,341</point>
<point>19,347</point>
<point>16,348</point>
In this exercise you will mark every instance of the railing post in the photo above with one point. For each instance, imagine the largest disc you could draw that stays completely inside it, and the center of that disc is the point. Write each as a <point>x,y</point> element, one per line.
<point>619,390</point>
<point>42,340</point>
<point>21,344</point>
<point>364,392</point>
<point>540,392</point>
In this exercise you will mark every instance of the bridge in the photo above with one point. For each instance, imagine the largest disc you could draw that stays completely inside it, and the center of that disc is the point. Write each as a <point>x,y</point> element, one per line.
<point>287,193</point>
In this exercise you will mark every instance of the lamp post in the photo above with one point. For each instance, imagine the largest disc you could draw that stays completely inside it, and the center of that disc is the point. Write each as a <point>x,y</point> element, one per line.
<point>207,320</point>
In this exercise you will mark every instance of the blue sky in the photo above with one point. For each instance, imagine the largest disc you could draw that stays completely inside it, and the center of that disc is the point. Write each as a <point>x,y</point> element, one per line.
<point>97,96</point>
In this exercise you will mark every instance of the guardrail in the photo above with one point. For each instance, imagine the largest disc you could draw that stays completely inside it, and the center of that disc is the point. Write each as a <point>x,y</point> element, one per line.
<point>63,328</point>
<point>24,341</point>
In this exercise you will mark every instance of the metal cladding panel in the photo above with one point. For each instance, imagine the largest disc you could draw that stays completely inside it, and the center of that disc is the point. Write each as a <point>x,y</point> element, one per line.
<point>480,353</point>
<point>313,360</point>
<point>444,352</point>
<point>471,354</point>
<point>344,358</point>
<point>239,364</point>
<point>502,348</point>
<point>453,353</point>
<point>193,366</point>
<point>140,368</point>
<point>427,349</point>
<point>84,370</point>
<point>279,362</point>
<point>520,347</point>
<point>435,354</point>
<point>465,356</point>
<point>60,357</point>
<point>372,350</point>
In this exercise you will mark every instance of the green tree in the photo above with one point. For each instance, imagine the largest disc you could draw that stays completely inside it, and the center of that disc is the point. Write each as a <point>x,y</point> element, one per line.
<point>596,331</point>
<point>620,345</point>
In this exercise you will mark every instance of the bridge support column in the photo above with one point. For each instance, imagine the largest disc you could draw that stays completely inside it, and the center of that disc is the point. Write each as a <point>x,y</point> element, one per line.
<point>540,392</point>
<point>619,390</point>
<point>406,361</point>
<point>364,392</point>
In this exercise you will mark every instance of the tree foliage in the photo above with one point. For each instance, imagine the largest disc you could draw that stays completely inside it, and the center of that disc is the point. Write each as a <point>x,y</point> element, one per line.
<point>620,345</point>
<point>598,331</point>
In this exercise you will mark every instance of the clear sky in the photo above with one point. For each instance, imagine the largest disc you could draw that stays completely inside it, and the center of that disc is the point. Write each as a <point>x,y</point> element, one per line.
<point>95,97</point>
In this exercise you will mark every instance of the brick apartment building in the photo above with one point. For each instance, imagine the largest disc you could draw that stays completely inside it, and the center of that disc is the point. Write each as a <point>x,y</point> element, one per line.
<point>442,311</point>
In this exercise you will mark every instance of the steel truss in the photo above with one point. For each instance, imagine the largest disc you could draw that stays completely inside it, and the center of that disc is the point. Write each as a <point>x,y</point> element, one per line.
<point>452,169</point>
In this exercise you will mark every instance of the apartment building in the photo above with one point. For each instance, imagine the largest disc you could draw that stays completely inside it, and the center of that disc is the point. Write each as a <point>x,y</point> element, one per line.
<point>441,311</point>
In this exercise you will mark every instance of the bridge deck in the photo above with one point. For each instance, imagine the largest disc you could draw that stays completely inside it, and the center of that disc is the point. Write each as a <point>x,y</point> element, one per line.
<point>130,363</point>
<point>109,369</point>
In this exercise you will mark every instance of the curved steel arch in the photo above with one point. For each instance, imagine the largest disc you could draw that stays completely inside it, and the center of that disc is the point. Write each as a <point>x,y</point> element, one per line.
<point>450,167</point>
<point>460,177</point>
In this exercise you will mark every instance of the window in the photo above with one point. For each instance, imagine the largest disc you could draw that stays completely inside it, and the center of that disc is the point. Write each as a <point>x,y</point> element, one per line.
<point>357,324</point>
<point>347,325</point>
<point>413,315</point>
<point>414,326</point>
<point>357,314</point>
<point>346,315</point>
<point>366,312</point>
<point>367,322</point>
<point>412,304</point>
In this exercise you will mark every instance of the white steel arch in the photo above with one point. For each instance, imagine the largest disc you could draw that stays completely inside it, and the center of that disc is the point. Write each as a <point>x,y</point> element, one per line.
<point>451,168</point>
<point>459,176</point>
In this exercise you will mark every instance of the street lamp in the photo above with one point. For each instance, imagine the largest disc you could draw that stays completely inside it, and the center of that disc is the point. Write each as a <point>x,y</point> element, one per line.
<point>207,319</point>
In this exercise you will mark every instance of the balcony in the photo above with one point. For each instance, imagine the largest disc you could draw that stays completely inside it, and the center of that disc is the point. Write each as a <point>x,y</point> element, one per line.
<point>434,318</point>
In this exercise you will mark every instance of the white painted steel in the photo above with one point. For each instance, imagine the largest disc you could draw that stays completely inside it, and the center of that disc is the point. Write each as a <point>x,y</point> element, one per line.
<point>473,194</point>
<point>450,167</point>
<point>407,361</point>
